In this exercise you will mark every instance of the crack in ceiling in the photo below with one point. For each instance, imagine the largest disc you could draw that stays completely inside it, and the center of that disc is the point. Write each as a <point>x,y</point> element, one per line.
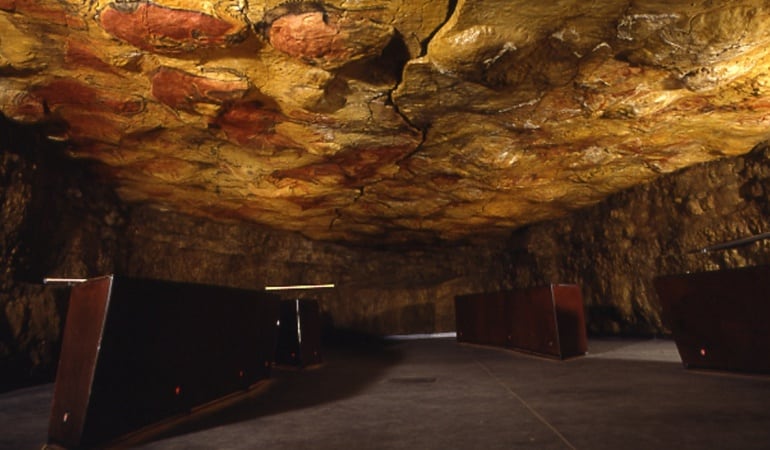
<point>387,122</point>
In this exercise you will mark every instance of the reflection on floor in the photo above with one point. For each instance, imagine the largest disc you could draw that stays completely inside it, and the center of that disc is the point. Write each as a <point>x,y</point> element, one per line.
<point>660,350</point>
<point>437,394</point>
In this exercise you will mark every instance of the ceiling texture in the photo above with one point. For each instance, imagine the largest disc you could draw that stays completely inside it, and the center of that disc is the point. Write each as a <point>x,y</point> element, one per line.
<point>378,121</point>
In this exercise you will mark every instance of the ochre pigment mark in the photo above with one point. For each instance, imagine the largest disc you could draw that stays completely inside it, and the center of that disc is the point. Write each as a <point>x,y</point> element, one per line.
<point>251,124</point>
<point>78,55</point>
<point>67,91</point>
<point>26,108</point>
<point>89,113</point>
<point>307,36</point>
<point>86,126</point>
<point>324,36</point>
<point>181,90</point>
<point>365,164</point>
<point>351,168</point>
<point>165,30</point>
<point>49,12</point>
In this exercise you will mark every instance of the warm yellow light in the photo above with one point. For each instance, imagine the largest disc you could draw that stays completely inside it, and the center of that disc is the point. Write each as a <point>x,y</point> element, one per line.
<point>299,286</point>
<point>64,280</point>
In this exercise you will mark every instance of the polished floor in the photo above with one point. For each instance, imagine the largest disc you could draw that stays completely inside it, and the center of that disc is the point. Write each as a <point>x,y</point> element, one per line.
<point>438,394</point>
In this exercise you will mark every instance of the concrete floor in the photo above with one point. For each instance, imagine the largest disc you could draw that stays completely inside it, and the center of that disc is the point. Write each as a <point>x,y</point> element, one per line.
<point>437,394</point>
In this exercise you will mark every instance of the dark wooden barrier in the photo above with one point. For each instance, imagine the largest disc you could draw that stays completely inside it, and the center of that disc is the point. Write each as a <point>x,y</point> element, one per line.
<point>547,320</point>
<point>136,352</point>
<point>481,319</point>
<point>719,319</point>
<point>299,336</point>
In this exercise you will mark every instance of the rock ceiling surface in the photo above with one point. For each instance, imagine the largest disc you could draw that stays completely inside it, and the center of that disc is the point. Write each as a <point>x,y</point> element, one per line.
<point>387,121</point>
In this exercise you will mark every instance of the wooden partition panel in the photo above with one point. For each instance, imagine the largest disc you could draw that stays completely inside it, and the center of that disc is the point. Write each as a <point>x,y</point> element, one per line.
<point>533,321</point>
<point>468,318</point>
<point>719,319</point>
<point>77,365</point>
<point>299,336</point>
<point>481,319</point>
<point>547,320</point>
<point>570,319</point>
<point>138,351</point>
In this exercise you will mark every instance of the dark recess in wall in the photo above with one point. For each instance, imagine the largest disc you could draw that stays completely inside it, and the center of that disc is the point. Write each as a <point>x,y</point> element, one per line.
<point>57,220</point>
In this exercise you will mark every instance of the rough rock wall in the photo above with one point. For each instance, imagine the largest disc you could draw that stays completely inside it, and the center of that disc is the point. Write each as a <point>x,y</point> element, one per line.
<point>614,250</point>
<point>57,220</point>
<point>384,291</point>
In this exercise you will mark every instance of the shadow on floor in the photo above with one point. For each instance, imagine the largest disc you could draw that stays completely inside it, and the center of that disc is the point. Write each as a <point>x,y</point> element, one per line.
<point>435,394</point>
<point>352,361</point>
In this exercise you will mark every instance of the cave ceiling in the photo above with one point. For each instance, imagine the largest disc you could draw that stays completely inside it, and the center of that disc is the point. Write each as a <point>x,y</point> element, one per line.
<point>387,121</point>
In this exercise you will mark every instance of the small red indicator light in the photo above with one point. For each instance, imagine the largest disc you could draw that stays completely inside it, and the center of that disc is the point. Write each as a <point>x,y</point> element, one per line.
<point>240,374</point>
<point>177,390</point>
<point>703,352</point>
<point>66,417</point>
<point>293,354</point>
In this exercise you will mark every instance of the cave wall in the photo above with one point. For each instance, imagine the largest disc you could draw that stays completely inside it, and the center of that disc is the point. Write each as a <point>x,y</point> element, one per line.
<point>380,291</point>
<point>60,220</point>
<point>57,220</point>
<point>615,249</point>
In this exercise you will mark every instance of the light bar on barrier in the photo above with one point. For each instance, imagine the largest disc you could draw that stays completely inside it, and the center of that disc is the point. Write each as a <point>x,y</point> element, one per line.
<point>299,286</point>
<point>67,281</point>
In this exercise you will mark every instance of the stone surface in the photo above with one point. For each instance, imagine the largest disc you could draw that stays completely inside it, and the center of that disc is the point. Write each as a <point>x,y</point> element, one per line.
<point>56,219</point>
<point>615,249</point>
<point>60,219</point>
<point>161,29</point>
<point>376,122</point>
<point>250,140</point>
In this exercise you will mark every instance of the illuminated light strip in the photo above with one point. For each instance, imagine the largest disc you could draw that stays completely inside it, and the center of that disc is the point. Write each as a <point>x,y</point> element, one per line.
<point>299,286</point>
<point>64,280</point>
<point>299,323</point>
<point>409,337</point>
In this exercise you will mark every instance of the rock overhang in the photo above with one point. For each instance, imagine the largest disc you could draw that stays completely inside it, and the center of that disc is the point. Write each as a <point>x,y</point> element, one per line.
<point>387,122</point>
